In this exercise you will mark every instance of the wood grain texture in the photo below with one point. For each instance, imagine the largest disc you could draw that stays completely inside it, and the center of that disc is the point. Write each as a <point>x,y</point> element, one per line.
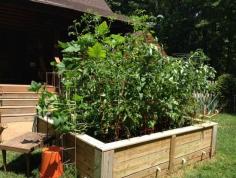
<point>139,150</point>
<point>192,142</point>
<point>98,163</point>
<point>85,155</point>
<point>107,164</point>
<point>139,157</point>
<point>200,153</point>
<point>172,152</point>
<point>151,172</point>
<point>43,127</point>
<point>192,158</point>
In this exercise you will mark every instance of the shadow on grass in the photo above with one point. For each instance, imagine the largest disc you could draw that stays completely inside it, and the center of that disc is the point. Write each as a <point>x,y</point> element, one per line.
<point>17,164</point>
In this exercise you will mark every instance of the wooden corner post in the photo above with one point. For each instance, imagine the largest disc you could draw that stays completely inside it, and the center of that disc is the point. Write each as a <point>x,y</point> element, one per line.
<point>103,164</point>
<point>213,140</point>
<point>172,152</point>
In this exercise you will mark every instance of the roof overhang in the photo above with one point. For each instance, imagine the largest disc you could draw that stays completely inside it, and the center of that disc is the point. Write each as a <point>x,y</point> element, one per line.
<point>97,7</point>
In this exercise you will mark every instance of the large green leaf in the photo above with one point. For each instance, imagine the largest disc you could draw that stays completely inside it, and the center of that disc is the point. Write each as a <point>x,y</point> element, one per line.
<point>61,67</point>
<point>97,51</point>
<point>118,38</point>
<point>102,29</point>
<point>87,39</point>
<point>73,47</point>
<point>63,45</point>
<point>35,87</point>
<point>114,40</point>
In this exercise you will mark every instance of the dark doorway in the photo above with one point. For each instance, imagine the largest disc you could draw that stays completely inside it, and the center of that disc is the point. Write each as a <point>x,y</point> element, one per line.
<point>29,33</point>
<point>26,44</point>
<point>24,56</point>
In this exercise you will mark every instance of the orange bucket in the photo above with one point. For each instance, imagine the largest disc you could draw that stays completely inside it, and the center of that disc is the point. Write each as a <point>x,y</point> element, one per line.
<point>51,163</point>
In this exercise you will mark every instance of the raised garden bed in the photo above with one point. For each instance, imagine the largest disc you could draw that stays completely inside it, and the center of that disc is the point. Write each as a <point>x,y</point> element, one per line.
<point>117,87</point>
<point>146,156</point>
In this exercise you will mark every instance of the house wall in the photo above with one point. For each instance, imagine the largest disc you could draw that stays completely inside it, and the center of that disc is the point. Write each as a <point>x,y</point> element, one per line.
<point>29,33</point>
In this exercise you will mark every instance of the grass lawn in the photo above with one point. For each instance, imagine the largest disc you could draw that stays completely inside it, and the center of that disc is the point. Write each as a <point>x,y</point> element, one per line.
<point>222,166</point>
<point>224,163</point>
<point>17,166</point>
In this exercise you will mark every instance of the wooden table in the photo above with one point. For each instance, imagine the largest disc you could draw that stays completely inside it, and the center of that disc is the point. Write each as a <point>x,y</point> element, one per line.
<point>25,144</point>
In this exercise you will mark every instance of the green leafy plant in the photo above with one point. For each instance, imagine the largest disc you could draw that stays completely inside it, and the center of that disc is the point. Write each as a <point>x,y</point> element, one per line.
<point>58,108</point>
<point>45,100</point>
<point>121,85</point>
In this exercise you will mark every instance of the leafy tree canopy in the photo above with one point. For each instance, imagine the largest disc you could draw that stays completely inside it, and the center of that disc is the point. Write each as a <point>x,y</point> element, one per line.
<point>187,25</point>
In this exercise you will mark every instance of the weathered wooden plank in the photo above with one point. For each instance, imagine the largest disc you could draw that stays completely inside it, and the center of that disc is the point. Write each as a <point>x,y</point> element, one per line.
<point>84,154</point>
<point>185,138</point>
<point>84,174</point>
<point>86,161</point>
<point>19,95</point>
<point>97,163</point>
<point>129,153</point>
<point>191,161</point>
<point>192,147</point>
<point>10,118</point>
<point>7,110</point>
<point>140,163</point>
<point>43,127</point>
<point>107,164</point>
<point>15,87</point>
<point>213,140</point>
<point>82,147</point>
<point>19,102</point>
<point>84,169</point>
<point>193,136</point>
<point>150,172</point>
<point>200,153</point>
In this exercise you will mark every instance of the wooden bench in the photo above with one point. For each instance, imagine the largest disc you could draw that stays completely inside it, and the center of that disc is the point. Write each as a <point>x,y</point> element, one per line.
<point>25,144</point>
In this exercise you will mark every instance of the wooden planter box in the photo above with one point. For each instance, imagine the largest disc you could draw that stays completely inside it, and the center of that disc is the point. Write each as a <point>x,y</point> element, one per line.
<point>146,156</point>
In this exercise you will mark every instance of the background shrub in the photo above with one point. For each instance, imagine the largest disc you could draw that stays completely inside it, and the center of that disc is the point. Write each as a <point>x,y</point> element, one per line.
<point>226,88</point>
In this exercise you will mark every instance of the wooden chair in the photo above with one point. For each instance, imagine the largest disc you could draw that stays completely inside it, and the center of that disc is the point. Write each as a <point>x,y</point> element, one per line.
<point>25,144</point>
